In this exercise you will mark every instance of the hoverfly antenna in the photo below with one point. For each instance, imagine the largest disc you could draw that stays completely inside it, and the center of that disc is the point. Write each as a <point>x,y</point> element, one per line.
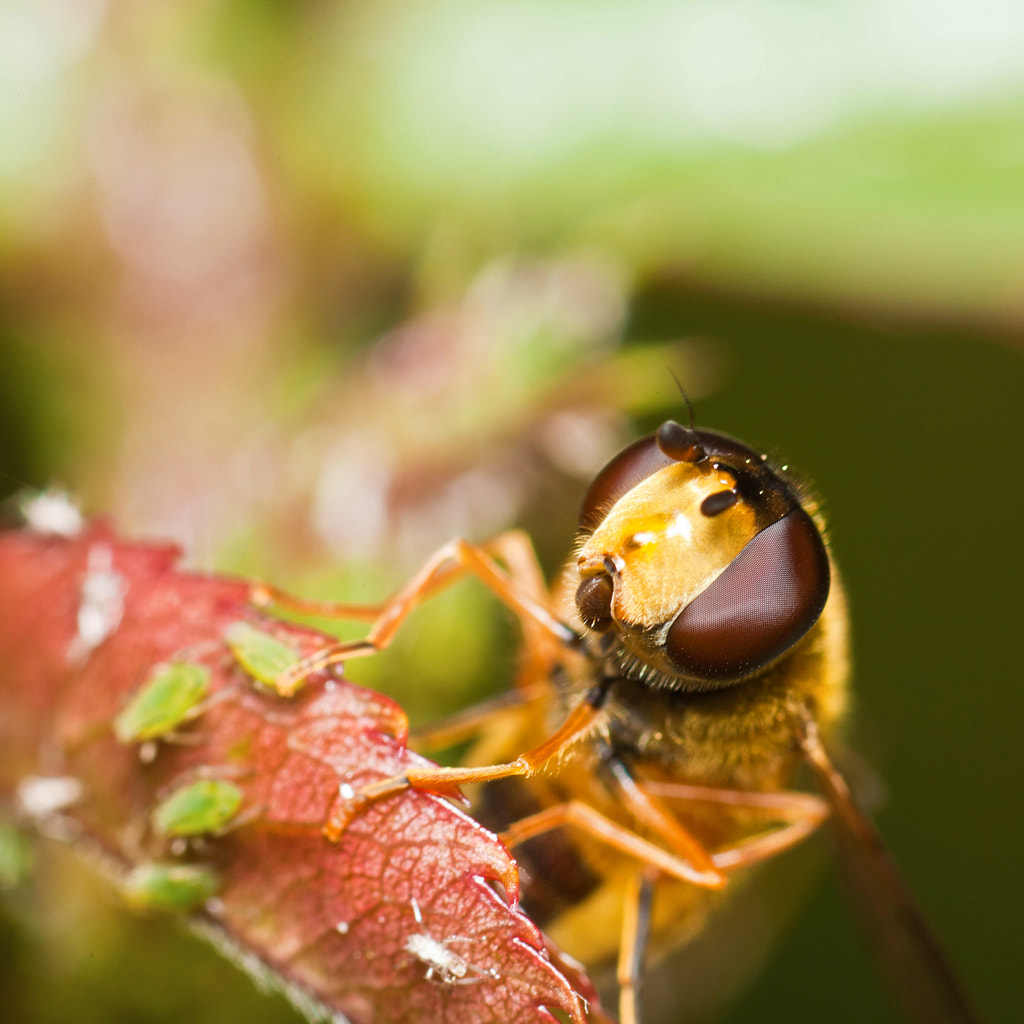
<point>679,443</point>
<point>686,397</point>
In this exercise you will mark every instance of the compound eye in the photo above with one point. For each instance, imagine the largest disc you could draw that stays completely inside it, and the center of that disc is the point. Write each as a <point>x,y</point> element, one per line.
<point>766,600</point>
<point>630,467</point>
<point>594,601</point>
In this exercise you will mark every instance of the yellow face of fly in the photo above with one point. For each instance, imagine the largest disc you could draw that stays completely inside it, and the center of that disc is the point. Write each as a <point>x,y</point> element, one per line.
<point>664,549</point>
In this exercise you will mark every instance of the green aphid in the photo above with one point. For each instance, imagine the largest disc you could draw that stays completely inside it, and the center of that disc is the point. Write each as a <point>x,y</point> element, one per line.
<point>264,657</point>
<point>206,805</point>
<point>179,887</point>
<point>168,697</point>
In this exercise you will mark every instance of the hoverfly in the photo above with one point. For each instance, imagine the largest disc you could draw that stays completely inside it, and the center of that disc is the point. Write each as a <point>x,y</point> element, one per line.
<point>690,657</point>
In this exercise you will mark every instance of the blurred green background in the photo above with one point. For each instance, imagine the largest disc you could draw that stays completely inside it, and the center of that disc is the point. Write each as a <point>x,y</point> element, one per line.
<point>312,287</point>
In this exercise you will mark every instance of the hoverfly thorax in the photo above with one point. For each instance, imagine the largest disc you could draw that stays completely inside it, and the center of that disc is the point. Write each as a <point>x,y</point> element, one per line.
<point>699,558</point>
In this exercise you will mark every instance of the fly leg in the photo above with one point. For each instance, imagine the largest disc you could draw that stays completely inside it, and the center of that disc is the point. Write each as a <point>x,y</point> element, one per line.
<point>471,721</point>
<point>579,815</point>
<point>520,588</point>
<point>803,813</point>
<point>540,648</point>
<point>636,928</point>
<point>581,722</point>
<point>652,814</point>
<point>687,859</point>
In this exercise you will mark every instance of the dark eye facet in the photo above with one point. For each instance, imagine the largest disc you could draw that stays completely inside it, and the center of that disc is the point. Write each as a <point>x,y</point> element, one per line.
<point>766,600</point>
<point>594,601</point>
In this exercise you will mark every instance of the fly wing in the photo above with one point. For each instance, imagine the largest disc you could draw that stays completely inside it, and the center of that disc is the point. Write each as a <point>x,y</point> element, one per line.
<point>906,949</point>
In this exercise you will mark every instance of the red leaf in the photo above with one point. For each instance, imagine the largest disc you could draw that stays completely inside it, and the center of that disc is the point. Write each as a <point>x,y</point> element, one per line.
<point>399,921</point>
